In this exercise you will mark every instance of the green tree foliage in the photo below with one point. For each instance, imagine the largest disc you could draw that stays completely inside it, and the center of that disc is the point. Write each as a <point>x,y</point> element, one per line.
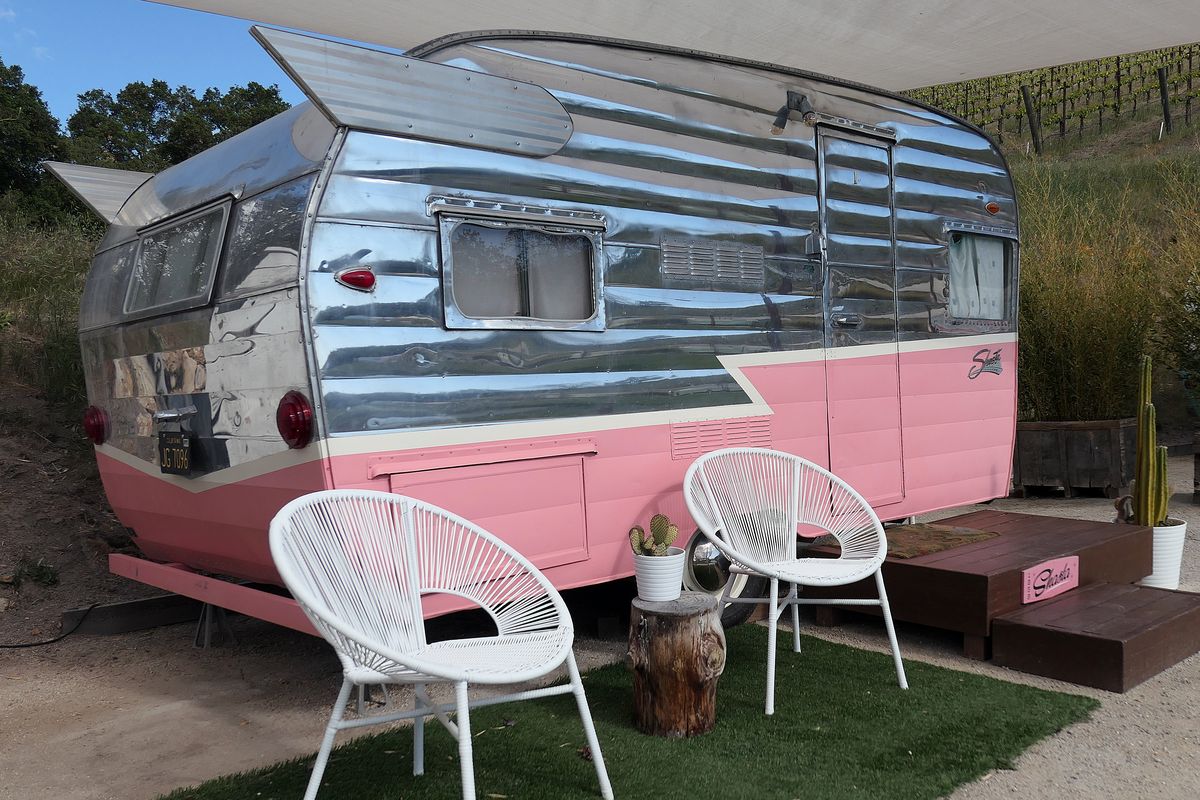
<point>149,126</point>
<point>28,131</point>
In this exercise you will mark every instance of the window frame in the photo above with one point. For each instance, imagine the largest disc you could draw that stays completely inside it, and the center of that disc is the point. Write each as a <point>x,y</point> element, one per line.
<point>1008,239</point>
<point>224,205</point>
<point>456,319</point>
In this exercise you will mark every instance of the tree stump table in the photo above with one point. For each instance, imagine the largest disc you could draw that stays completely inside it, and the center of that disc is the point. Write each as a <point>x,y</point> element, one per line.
<point>676,652</point>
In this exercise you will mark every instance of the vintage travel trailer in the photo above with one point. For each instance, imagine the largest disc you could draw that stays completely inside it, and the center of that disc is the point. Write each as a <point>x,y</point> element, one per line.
<point>530,277</point>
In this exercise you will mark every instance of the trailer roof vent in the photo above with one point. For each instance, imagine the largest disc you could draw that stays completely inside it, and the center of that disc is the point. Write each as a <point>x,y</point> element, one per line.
<point>711,265</point>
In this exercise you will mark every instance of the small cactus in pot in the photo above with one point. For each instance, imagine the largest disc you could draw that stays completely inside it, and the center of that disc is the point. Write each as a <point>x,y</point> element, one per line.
<point>658,541</point>
<point>657,565</point>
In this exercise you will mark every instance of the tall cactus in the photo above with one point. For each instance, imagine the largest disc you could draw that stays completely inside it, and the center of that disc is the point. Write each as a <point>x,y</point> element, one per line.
<point>1151,490</point>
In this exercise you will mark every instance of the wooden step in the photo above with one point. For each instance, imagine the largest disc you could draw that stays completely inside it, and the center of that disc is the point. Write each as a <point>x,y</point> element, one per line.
<point>1110,636</point>
<point>965,588</point>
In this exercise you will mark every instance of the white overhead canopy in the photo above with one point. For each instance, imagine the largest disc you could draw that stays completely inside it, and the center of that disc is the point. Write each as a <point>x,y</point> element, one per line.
<point>893,44</point>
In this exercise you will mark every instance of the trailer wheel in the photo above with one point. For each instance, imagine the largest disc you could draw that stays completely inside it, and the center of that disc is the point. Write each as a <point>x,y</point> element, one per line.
<point>707,570</point>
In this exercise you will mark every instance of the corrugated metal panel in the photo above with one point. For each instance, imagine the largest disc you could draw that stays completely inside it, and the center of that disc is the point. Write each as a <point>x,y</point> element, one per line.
<point>103,190</point>
<point>663,152</point>
<point>377,91</point>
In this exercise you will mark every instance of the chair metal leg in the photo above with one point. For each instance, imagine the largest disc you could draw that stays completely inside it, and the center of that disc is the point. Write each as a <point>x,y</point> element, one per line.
<point>339,709</point>
<point>773,621</point>
<point>795,618</point>
<point>589,729</point>
<point>464,741</point>
<point>891,629</point>
<point>418,733</point>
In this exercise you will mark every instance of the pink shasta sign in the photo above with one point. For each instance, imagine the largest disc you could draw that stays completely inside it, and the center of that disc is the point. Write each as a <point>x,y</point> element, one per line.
<point>1049,579</point>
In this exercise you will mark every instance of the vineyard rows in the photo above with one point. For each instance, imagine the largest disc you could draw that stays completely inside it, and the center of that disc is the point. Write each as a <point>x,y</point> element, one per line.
<point>1075,98</point>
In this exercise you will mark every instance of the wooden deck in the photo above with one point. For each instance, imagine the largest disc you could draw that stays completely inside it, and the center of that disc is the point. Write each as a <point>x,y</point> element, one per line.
<point>965,588</point>
<point>1104,635</point>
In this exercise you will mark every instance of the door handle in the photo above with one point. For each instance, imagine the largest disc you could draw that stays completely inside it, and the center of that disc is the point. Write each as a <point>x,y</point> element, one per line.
<point>847,320</point>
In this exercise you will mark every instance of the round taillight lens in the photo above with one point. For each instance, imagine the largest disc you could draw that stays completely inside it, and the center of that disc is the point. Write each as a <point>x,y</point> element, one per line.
<point>294,418</point>
<point>95,424</point>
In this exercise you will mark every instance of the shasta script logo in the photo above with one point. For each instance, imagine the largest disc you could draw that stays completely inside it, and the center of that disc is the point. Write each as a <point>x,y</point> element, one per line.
<point>985,361</point>
<point>1049,579</point>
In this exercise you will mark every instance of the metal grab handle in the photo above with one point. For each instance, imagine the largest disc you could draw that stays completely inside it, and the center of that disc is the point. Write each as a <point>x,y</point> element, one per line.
<point>847,320</point>
<point>173,414</point>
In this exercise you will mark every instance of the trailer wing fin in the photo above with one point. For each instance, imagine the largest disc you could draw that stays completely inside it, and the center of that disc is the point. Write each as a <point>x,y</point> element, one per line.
<point>103,190</point>
<point>357,87</point>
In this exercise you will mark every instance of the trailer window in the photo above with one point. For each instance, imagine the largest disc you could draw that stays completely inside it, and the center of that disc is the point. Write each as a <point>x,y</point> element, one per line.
<point>512,275</point>
<point>978,276</point>
<point>264,240</point>
<point>106,285</point>
<point>174,264</point>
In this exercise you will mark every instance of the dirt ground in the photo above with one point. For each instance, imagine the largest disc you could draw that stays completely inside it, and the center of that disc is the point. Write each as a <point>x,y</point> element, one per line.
<point>135,715</point>
<point>55,525</point>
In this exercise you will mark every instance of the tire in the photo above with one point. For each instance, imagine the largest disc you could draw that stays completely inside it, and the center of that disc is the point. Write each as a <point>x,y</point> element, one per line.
<point>707,570</point>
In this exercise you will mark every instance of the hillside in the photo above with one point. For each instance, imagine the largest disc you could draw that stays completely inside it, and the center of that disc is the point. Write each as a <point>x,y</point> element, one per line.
<point>1075,103</point>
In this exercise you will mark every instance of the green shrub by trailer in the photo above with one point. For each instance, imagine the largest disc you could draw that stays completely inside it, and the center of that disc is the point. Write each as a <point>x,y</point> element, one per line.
<point>840,731</point>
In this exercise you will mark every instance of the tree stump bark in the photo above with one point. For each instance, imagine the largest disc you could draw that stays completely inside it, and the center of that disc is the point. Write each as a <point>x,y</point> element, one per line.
<point>676,652</point>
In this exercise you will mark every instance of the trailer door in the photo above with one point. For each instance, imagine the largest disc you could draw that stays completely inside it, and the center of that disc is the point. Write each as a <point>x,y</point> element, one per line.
<point>862,366</point>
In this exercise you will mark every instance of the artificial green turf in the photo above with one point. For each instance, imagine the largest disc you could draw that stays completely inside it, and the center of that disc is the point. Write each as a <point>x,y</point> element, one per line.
<point>842,729</point>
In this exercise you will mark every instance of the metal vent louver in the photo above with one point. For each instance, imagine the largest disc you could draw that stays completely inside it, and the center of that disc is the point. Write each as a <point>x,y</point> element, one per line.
<point>718,265</point>
<point>692,439</point>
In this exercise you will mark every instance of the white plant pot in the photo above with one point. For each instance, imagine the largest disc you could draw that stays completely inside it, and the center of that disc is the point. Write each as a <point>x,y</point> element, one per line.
<point>1168,554</point>
<point>659,578</point>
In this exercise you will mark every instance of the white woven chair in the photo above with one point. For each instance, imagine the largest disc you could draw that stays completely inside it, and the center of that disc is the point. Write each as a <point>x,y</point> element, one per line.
<point>358,563</point>
<point>750,503</point>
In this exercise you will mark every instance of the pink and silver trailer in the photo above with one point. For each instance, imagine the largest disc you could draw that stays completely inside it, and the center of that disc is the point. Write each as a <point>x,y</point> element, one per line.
<point>529,278</point>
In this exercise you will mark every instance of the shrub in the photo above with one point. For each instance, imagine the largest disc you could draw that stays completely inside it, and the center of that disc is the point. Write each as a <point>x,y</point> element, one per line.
<point>42,270</point>
<point>1094,286</point>
<point>1181,325</point>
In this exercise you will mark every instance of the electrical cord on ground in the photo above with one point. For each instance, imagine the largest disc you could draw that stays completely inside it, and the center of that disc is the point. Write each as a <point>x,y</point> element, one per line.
<point>58,638</point>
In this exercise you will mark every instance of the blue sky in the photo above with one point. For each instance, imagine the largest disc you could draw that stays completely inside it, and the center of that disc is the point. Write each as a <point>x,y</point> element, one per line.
<point>69,46</point>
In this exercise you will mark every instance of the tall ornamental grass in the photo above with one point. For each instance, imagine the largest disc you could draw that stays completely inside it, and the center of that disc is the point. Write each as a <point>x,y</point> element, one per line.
<point>1181,325</point>
<point>42,270</point>
<point>1097,281</point>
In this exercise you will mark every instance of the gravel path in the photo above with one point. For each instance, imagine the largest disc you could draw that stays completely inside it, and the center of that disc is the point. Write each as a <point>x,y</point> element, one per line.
<point>128,717</point>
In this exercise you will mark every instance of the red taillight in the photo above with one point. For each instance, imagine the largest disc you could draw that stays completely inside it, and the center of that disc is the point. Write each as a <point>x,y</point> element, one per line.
<point>95,424</point>
<point>294,418</point>
<point>993,207</point>
<point>359,278</point>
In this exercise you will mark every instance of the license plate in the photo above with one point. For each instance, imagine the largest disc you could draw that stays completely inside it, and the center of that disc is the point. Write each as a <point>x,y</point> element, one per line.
<point>174,453</point>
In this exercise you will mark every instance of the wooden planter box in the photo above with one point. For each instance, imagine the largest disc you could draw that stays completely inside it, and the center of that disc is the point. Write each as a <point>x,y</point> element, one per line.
<point>1076,455</point>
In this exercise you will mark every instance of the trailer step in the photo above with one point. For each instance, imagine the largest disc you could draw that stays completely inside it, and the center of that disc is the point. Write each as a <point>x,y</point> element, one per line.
<point>967,587</point>
<point>1104,635</point>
